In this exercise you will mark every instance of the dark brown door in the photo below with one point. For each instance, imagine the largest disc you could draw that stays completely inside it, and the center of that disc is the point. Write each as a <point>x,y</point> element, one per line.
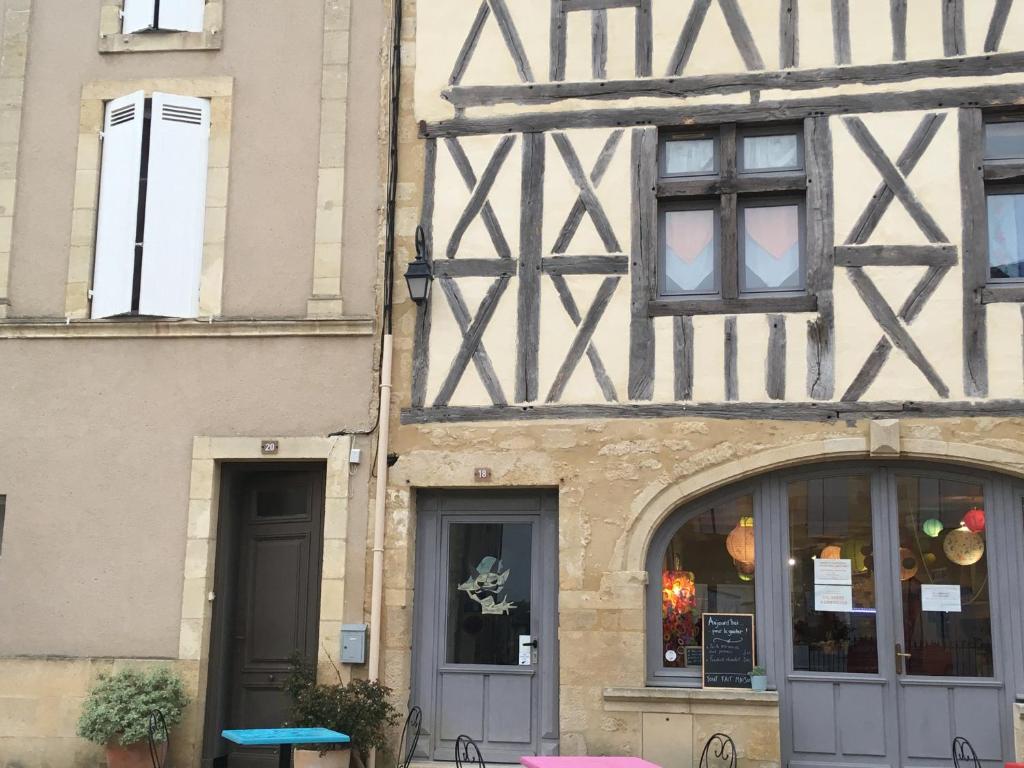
<point>280,528</point>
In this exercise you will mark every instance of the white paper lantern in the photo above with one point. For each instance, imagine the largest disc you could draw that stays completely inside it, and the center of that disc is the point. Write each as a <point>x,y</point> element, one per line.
<point>964,547</point>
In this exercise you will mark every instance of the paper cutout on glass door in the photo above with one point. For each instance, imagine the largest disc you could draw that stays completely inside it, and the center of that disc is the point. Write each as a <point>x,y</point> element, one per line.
<point>487,584</point>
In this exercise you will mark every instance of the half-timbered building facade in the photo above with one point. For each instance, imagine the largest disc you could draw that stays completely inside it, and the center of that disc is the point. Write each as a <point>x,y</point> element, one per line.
<point>723,290</point>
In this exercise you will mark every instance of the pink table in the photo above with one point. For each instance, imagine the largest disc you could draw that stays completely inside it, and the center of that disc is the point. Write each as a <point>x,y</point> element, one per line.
<point>582,761</point>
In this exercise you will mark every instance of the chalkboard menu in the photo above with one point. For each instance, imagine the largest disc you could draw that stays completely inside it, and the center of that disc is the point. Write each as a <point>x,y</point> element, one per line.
<point>728,649</point>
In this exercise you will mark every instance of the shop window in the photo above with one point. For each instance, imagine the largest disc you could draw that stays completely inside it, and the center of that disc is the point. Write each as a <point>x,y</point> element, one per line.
<point>703,562</point>
<point>732,220</point>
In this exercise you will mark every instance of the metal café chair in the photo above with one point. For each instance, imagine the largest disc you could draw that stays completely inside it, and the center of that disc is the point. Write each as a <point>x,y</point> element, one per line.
<point>467,753</point>
<point>157,731</point>
<point>410,737</point>
<point>720,748</point>
<point>964,755</point>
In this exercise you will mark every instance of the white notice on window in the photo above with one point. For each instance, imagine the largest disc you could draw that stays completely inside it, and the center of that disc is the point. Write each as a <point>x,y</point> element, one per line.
<point>833,572</point>
<point>833,598</point>
<point>940,597</point>
<point>525,646</point>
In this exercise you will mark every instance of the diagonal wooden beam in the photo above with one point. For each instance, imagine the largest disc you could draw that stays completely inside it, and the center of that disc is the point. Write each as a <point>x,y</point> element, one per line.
<point>510,35</point>
<point>600,372</point>
<point>469,44</point>
<point>906,162</point>
<point>587,193</point>
<point>575,217</point>
<point>584,334</point>
<point>688,37</point>
<point>472,347</point>
<point>478,203</point>
<point>741,34</point>
<point>923,291</point>
<point>868,372</point>
<point>997,25</point>
<point>894,328</point>
<point>894,179</point>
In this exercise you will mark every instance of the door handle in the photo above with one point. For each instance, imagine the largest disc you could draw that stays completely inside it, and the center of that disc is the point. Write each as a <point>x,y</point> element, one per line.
<point>900,656</point>
<point>530,644</point>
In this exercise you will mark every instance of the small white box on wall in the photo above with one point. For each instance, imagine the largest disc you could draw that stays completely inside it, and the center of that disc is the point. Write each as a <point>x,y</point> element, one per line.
<point>353,643</point>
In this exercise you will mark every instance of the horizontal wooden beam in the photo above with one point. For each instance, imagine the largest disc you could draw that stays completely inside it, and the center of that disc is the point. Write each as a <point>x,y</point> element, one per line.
<point>827,412</point>
<point>996,293</point>
<point>711,114</point>
<point>585,265</point>
<point>747,305</point>
<point>1004,172</point>
<point>569,6</point>
<point>895,255</point>
<point>734,82</point>
<point>474,267</point>
<point>755,184</point>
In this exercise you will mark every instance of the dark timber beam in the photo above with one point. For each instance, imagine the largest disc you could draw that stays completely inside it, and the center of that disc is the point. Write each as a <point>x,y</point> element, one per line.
<point>736,82</point>
<point>766,411</point>
<point>713,114</point>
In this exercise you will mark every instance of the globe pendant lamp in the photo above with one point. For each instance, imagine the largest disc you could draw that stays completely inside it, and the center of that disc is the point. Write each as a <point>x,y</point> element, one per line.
<point>908,564</point>
<point>963,546</point>
<point>974,520</point>
<point>831,552</point>
<point>740,542</point>
<point>932,527</point>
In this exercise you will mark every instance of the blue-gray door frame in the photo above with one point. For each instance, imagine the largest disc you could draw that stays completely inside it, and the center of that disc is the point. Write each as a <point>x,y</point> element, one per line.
<point>1004,502</point>
<point>436,509</point>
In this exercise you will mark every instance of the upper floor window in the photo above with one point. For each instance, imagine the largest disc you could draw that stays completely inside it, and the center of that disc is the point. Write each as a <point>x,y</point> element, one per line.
<point>731,214</point>
<point>152,206</point>
<point>168,15</point>
<point>1004,161</point>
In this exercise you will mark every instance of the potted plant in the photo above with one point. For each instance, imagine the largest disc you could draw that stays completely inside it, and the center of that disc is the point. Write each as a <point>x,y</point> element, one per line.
<point>359,709</point>
<point>758,679</point>
<point>116,713</point>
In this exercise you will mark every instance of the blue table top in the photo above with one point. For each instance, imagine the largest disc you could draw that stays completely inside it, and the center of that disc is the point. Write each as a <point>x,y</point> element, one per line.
<point>265,737</point>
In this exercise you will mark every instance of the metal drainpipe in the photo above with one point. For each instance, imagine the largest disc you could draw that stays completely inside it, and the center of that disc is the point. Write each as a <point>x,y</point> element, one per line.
<point>384,414</point>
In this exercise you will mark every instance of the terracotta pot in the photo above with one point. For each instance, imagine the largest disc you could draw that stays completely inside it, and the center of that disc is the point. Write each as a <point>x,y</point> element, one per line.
<point>310,758</point>
<point>133,756</point>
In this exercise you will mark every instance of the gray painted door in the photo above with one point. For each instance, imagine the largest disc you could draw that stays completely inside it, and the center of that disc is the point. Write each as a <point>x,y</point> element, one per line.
<point>926,652</point>
<point>485,643</point>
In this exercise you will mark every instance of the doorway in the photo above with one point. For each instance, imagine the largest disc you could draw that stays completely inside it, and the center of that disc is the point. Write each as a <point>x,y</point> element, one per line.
<point>485,647</point>
<point>900,596</point>
<point>267,600</point>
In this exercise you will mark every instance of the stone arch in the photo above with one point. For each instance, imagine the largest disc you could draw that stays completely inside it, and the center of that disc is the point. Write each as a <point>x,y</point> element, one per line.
<point>658,501</point>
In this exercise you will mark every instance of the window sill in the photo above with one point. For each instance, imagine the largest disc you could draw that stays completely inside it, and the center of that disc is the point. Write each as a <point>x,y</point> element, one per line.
<point>176,329</point>
<point>746,305</point>
<point>148,42</point>
<point>995,293</point>
<point>685,699</point>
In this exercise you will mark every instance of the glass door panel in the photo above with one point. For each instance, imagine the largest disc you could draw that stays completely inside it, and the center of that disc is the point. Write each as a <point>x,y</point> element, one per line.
<point>834,617</point>
<point>490,567</point>
<point>943,572</point>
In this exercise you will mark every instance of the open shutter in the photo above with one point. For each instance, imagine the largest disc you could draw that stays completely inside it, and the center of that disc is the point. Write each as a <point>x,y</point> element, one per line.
<point>138,15</point>
<point>172,255</point>
<point>182,15</point>
<point>117,222</point>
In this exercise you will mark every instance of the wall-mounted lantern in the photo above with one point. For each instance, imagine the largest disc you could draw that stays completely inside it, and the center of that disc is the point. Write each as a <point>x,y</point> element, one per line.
<point>418,275</point>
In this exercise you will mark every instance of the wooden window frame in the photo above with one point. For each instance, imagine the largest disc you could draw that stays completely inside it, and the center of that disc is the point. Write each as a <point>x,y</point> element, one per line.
<point>998,177</point>
<point>730,187</point>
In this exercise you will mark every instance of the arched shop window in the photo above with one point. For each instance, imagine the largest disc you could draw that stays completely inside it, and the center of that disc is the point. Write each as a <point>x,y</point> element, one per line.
<point>702,560</point>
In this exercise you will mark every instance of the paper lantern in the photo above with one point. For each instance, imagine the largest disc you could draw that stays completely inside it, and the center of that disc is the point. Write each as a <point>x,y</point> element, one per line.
<point>740,541</point>
<point>831,552</point>
<point>908,564</point>
<point>857,551</point>
<point>932,527</point>
<point>974,520</point>
<point>963,546</point>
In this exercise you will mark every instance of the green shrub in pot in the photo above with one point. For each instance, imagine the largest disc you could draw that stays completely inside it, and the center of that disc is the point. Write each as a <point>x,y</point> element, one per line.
<point>116,712</point>
<point>360,709</point>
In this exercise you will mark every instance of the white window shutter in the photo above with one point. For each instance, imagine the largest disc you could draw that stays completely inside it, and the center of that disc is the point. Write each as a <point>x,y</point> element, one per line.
<point>182,15</point>
<point>172,254</point>
<point>117,221</point>
<point>138,15</point>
